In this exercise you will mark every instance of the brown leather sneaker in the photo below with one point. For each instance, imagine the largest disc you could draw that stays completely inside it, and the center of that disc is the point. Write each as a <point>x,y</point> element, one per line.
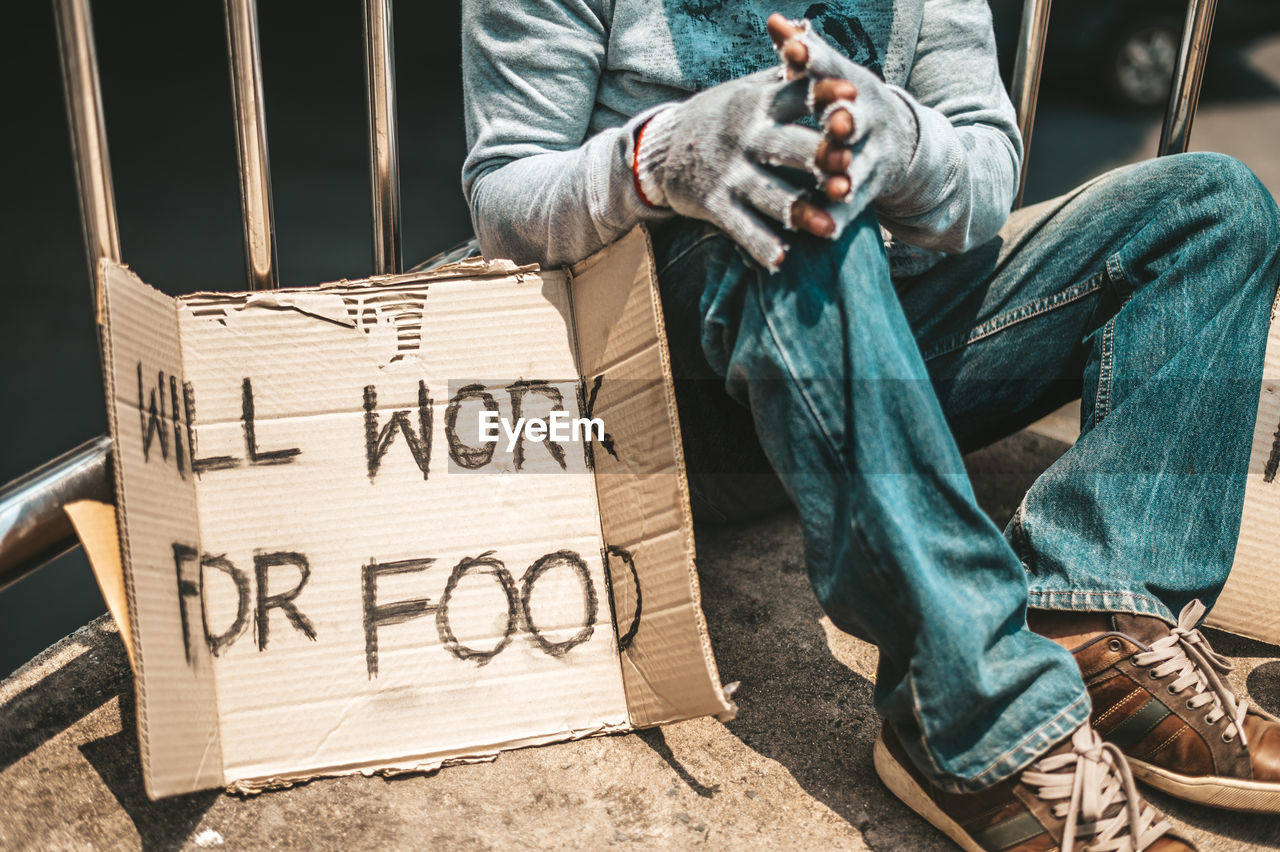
<point>1079,795</point>
<point>1159,695</point>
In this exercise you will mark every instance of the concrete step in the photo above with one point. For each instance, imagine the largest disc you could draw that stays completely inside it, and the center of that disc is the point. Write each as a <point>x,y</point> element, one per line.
<point>792,771</point>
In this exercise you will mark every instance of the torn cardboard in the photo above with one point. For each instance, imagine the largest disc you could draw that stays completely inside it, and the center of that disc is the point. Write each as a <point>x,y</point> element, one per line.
<point>327,573</point>
<point>95,524</point>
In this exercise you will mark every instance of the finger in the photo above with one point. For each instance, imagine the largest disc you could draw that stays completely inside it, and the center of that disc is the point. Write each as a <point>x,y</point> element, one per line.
<point>837,188</point>
<point>824,62</point>
<point>839,125</point>
<point>747,230</point>
<point>827,92</point>
<point>807,216</point>
<point>796,55</point>
<point>838,122</point>
<point>781,28</point>
<point>833,157</point>
<point>786,40</point>
<point>787,145</point>
<point>858,193</point>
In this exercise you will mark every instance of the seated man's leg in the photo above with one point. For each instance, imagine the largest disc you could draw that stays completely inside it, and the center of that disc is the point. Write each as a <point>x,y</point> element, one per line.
<point>1149,291</point>
<point>897,549</point>
<point>729,476</point>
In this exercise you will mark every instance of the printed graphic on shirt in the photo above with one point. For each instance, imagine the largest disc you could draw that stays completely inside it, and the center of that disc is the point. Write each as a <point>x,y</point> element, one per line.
<point>720,40</point>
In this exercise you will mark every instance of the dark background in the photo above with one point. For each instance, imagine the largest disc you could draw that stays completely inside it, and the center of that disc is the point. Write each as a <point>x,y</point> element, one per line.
<point>166,95</point>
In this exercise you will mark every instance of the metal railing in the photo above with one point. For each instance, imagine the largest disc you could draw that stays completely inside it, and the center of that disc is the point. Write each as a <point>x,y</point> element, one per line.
<point>1184,94</point>
<point>33,527</point>
<point>1188,73</point>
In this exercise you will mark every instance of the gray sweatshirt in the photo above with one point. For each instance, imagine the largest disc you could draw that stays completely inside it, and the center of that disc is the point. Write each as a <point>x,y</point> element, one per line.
<point>555,90</point>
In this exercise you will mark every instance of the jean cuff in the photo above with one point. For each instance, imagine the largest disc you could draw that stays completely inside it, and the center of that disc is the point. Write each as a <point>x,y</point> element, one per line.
<point>1033,746</point>
<point>1082,601</point>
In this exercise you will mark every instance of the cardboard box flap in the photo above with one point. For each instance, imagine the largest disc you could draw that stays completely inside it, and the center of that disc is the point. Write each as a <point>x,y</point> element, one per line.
<point>330,568</point>
<point>668,669</point>
<point>1248,604</point>
<point>159,533</point>
<point>98,529</point>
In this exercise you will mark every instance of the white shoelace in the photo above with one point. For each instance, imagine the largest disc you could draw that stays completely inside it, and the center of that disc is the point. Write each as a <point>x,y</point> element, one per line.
<point>1092,789</point>
<point>1187,652</point>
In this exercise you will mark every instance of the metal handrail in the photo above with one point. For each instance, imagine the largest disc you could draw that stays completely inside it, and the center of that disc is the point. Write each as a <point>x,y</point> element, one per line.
<point>88,134</point>
<point>33,527</point>
<point>384,143</point>
<point>258,212</point>
<point>1025,86</point>
<point>1188,74</point>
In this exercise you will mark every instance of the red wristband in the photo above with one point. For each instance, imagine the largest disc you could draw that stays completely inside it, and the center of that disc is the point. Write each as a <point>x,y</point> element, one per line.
<point>635,167</point>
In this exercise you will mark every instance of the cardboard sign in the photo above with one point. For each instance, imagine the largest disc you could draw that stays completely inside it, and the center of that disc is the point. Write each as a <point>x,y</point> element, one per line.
<point>327,568</point>
<point>1249,604</point>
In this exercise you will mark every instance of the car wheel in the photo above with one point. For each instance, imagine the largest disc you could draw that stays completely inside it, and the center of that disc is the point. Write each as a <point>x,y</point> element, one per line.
<point>1139,69</point>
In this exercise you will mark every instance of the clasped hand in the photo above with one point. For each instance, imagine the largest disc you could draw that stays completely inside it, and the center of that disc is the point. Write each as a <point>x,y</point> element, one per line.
<point>714,156</point>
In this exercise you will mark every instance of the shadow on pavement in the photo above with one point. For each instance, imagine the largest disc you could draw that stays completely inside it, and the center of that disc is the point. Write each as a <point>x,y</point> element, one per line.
<point>162,825</point>
<point>813,713</point>
<point>806,706</point>
<point>99,677</point>
<point>799,704</point>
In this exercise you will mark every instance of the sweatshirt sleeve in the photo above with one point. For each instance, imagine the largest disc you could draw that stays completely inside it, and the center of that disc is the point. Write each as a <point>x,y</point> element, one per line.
<point>538,189</point>
<point>963,175</point>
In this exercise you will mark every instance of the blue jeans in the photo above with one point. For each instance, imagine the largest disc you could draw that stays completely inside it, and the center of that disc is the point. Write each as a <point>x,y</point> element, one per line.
<point>1146,292</point>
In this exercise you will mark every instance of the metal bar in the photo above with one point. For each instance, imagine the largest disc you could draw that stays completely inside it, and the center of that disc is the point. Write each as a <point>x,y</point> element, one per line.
<point>1188,74</point>
<point>384,142</point>
<point>1026,77</point>
<point>251,143</point>
<point>33,528</point>
<point>88,134</point>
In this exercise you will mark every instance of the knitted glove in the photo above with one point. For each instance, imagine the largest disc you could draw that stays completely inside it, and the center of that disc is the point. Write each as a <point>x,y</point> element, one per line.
<point>705,158</point>
<point>884,128</point>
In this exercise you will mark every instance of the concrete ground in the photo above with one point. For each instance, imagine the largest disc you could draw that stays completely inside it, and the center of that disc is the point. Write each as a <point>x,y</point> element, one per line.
<point>793,770</point>
<point>177,193</point>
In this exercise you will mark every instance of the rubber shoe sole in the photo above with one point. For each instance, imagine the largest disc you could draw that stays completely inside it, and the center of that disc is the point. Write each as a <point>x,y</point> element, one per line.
<point>900,782</point>
<point>1229,793</point>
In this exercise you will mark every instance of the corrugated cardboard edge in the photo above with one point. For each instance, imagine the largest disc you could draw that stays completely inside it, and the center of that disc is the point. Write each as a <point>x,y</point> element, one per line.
<point>1249,605</point>
<point>417,766</point>
<point>122,547</point>
<point>154,787</point>
<point>97,528</point>
<point>726,709</point>
<point>473,267</point>
<point>108,550</point>
<point>730,709</point>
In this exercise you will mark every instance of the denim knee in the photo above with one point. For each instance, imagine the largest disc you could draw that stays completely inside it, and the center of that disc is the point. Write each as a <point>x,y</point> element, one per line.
<point>861,239</point>
<point>1249,219</point>
<point>1208,212</point>
<point>1241,189</point>
<point>1239,200</point>
<point>819,273</point>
